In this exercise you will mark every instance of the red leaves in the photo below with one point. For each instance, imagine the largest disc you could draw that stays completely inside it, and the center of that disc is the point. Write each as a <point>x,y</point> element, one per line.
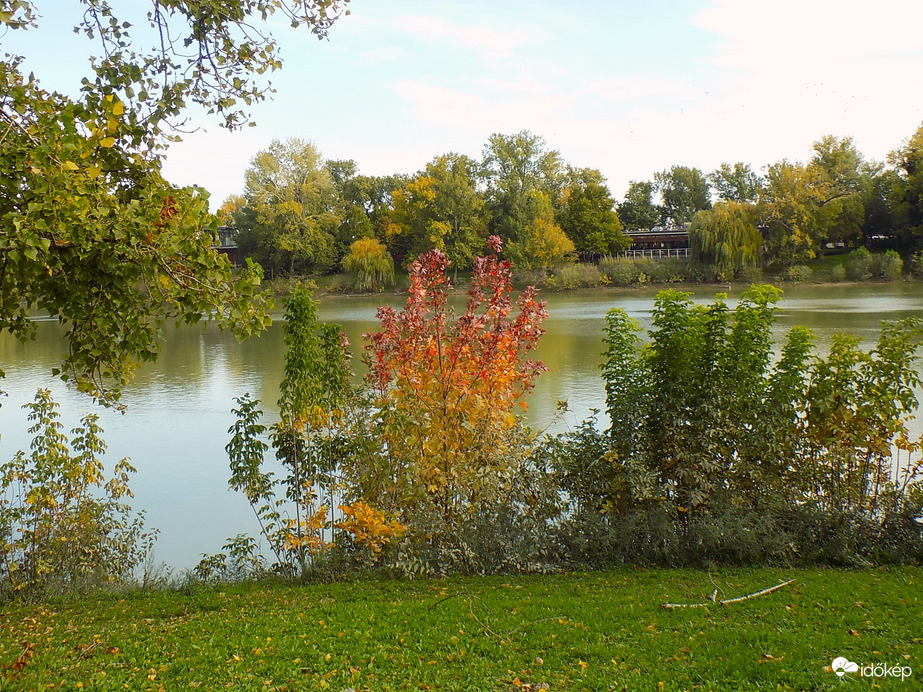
<point>456,377</point>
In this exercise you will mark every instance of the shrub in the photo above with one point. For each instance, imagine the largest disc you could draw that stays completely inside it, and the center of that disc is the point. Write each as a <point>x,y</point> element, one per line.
<point>798,273</point>
<point>622,271</point>
<point>664,271</point>
<point>371,263</point>
<point>837,273</point>
<point>446,452</point>
<point>315,396</point>
<point>888,266</point>
<point>63,526</point>
<point>571,276</point>
<point>859,264</point>
<point>716,454</point>
<point>916,263</point>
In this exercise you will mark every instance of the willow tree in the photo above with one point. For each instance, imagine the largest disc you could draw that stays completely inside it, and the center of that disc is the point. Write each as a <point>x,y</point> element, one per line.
<point>724,240</point>
<point>371,263</point>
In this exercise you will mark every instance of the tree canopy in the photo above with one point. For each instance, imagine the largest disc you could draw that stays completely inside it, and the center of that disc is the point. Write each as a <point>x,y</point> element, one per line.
<point>90,231</point>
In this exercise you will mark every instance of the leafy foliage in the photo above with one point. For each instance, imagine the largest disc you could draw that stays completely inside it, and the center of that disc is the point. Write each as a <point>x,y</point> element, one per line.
<point>638,210</point>
<point>441,208</point>
<point>587,214</point>
<point>289,221</point>
<point>541,243</point>
<point>724,241</point>
<point>314,393</point>
<point>737,183</point>
<point>93,234</point>
<point>89,229</point>
<point>717,454</point>
<point>371,263</point>
<point>685,191</point>
<point>448,446</point>
<point>63,526</point>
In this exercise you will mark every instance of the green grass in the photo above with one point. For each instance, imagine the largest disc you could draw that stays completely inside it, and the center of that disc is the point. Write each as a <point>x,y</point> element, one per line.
<point>596,631</point>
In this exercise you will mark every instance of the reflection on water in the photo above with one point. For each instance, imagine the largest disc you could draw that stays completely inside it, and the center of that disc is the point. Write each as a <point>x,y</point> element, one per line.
<point>179,408</point>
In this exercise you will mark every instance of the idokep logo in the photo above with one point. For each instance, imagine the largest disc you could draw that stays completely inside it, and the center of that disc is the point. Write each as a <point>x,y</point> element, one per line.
<point>842,665</point>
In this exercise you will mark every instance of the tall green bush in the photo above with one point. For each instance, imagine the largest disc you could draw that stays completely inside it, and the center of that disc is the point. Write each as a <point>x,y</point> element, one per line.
<point>718,452</point>
<point>888,266</point>
<point>315,396</point>
<point>859,264</point>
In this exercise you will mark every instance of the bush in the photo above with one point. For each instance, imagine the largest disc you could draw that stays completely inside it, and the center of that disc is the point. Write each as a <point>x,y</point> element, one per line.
<point>859,264</point>
<point>622,271</point>
<point>916,264</point>
<point>664,271</point>
<point>888,266</point>
<point>798,273</point>
<point>63,527</point>
<point>837,273</point>
<point>572,276</point>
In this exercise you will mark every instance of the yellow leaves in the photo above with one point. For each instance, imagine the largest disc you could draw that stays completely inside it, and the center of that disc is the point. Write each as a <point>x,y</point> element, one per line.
<point>369,527</point>
<point>118,108</point>
<point>306,533</point>
<point>107,142</point>
<point>70,165</point>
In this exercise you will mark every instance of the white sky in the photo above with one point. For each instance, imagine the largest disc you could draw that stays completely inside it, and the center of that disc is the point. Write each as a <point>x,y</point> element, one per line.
<point>627,87</point>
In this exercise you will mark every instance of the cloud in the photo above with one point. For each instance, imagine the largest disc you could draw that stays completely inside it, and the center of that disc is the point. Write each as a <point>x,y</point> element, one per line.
<point>799,70</point>
<point>488,41</point>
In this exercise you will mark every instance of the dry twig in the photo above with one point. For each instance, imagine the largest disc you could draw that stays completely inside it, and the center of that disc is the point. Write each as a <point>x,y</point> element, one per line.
<point>728,600</point>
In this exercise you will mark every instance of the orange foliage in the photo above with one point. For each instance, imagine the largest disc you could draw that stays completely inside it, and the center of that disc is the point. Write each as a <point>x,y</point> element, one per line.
<point>447,384</point>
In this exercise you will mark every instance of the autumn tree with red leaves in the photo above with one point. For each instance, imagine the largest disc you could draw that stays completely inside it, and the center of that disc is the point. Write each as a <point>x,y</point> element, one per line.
<point>448,390</point>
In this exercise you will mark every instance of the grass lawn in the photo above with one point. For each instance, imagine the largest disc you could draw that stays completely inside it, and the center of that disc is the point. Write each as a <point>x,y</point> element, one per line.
<point>596,631</point>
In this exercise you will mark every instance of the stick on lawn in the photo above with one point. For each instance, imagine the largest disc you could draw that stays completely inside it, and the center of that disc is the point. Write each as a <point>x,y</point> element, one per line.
<point>729,600</point>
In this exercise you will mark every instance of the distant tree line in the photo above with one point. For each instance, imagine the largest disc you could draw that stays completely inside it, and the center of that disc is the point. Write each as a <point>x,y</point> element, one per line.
<point>302,214</point>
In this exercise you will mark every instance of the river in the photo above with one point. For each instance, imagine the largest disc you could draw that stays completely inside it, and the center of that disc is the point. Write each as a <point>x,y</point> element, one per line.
<point>178,409</point>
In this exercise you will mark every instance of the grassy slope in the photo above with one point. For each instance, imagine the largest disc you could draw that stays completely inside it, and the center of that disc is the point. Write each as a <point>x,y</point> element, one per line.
<point>594,631</point>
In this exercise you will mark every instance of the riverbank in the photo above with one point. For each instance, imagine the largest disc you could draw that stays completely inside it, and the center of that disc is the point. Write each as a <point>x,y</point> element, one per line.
<point>614,275</point>
<point>579,631</point>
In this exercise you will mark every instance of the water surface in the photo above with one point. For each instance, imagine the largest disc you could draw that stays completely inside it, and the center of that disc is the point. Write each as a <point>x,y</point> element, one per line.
<point>179,408</point>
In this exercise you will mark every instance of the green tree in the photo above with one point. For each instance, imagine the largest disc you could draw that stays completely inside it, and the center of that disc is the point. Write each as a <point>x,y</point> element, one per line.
<point>512,166</point>
<point>737,183</point>
<point>907,192</point>
<point>348,207</point>
<point>289,221</point>
<point>441,208</point>
<point>90,231</point>
<point>840,165</point>
<point>541,244</point>
<point>791,208</point>
<point>724,240</point>
<point>684,191</point>
<point>586,213</point>
<point>877,187</point>
<point>314,394</point>
<point>638,210</point>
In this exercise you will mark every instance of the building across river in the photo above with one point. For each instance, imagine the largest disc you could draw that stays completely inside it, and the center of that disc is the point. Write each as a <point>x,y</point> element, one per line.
<point>659,242</point>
